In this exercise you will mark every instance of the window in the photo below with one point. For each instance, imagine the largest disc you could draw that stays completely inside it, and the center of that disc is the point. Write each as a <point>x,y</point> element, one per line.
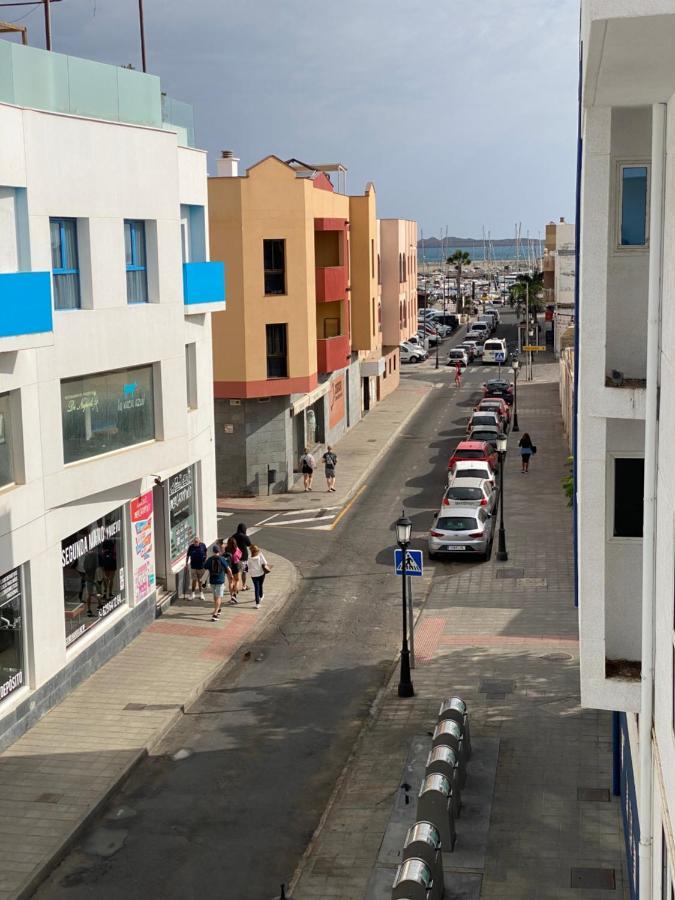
<point>372,258</point>
<point>191,375</point>
<point>274,260</point>
<point>379,269</point>
<point>6,462</point>
<point>94,583</point>
<point>11,632</point>
<point>628,497</point>
<point>106,412</point>
<point>136,261</point>
<point>372,306</point>
<point>277,362</point>
<point>65,264</point>
<point>634,186</point>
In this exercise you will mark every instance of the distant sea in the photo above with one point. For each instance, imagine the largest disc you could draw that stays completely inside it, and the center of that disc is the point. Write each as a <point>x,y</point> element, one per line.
<point>500,251</point>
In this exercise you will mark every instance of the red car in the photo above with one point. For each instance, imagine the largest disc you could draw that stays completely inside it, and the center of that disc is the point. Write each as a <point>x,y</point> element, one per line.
<point>498,404</point>
<point>474,450</point>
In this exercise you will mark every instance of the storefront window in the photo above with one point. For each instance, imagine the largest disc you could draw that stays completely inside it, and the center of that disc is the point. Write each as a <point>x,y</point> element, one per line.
<point>182,514</point>
<point>6,467</point>
<point>11,632</point>
<point>107,412</point>
<point>93,573</point>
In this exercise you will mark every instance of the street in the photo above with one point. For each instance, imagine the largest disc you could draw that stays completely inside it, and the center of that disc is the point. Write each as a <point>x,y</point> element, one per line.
<point>232,815</point>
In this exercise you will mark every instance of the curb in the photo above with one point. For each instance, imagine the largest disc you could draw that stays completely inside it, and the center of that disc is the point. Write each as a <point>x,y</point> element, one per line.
<point>373,715</point>
<point>36,878</point>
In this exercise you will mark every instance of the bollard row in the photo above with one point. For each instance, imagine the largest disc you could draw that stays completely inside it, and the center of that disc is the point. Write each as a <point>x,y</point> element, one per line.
<point>420,875</point>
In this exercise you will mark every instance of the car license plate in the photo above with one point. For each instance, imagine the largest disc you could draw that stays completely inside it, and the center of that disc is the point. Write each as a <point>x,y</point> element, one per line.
<point>456,547</point>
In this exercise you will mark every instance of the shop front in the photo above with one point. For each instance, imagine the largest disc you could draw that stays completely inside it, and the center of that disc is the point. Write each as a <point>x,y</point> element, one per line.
<point>12,674</point>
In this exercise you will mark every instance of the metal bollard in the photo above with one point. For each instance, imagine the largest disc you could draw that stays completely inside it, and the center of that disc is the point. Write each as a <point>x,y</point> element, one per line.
<point>413,881</point>
<point>456,710</point>
<point>450,734</point>
<point>435,805</point>
<point>423,841</point>
<point>443,760</point>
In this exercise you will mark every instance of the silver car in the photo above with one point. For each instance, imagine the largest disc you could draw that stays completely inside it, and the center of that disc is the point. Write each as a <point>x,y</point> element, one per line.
<point>484,419</point>
<point>488,433</point>
<point>472,468</point>
<point>462,529</point>
<point>471,492</point>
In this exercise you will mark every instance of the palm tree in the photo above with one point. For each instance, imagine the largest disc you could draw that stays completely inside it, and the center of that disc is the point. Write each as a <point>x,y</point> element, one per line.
<point>459,259</point>
<point>528,284</point>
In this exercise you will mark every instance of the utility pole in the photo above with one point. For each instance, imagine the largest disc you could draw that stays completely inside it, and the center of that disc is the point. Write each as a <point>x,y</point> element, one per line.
<point>142,24</point>
<point>48,24</point>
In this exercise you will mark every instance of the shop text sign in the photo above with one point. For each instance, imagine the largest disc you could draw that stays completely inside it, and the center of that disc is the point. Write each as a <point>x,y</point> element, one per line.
<point>143,557</point>
<point>182,517</point>
<point>11,667</point>
<point>83,545</point>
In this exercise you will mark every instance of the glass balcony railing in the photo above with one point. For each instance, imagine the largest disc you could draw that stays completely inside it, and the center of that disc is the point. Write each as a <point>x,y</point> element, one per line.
<point>25,304</point>
<point>204,283</point>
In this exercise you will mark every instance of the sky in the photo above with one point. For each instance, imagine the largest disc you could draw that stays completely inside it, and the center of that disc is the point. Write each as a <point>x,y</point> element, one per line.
<point>462,114</point>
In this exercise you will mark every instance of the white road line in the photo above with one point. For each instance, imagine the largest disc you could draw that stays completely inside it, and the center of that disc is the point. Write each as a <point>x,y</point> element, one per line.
<point>268,519</point>
<point>300,521</point>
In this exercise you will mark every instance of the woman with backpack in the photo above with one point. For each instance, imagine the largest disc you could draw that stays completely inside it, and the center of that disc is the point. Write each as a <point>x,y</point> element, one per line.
<point>527,449</point>
<point>307,466</point>
<point>258,567</point>
<point>233,552</point>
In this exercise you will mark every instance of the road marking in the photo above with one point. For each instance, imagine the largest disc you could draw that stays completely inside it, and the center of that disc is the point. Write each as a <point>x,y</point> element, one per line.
<point>349,505</point>
<point>268,519</point>
<point>300,521</point>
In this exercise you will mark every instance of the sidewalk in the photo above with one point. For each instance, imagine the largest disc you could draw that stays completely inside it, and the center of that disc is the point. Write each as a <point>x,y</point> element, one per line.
<point>58,774</point>
<point>504,637</point>
<point>358,453</point>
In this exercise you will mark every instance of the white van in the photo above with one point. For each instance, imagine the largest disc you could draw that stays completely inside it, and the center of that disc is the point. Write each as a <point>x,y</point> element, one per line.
<point>491,349</point>
<point>491,319</point>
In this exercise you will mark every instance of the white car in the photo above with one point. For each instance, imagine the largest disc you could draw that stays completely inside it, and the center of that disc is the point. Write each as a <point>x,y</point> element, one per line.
<point>466,529</point>
<point>476,344</point>
<point>471,492</point>
<point>471,468</point>
<point>411,354</point>
<point>457,356</point>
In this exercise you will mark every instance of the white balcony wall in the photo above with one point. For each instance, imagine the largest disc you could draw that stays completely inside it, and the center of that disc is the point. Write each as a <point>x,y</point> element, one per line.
<point>628,267</point>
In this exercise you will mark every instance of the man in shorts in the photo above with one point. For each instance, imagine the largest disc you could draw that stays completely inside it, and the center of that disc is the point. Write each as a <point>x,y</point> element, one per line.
<point>330,461</point>
<point>218,568</point>
<point>195,560</point>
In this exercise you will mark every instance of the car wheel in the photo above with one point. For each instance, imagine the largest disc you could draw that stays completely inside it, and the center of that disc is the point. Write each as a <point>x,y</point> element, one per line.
<point>432,555</point>
<point>414,359</point>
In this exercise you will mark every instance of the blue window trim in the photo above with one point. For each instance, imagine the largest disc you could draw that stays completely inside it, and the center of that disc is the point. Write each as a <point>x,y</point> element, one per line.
<point>62,269</point>
<point>136,228</point>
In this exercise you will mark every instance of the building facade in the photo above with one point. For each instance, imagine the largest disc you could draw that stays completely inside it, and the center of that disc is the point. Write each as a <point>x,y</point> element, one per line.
<point>398,248</point>
<point>559,270</point>
<point>299,354</point>
<point>626,418</point>
<point>106,410</point>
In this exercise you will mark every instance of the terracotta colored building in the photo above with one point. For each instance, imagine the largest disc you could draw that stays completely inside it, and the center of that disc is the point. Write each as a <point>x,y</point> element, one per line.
<point>299,353</point>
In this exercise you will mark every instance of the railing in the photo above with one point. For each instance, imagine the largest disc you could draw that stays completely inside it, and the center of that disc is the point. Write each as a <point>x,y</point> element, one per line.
<point>331,283</point>
<point>332,353</point>
<point>25,304</point>
<point>204,283</point>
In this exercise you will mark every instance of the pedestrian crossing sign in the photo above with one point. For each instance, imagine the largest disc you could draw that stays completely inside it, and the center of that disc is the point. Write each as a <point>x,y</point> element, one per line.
<point>413,562</point>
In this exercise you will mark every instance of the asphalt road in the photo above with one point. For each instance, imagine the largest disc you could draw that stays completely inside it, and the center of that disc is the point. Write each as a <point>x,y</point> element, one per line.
<point>269,738</point>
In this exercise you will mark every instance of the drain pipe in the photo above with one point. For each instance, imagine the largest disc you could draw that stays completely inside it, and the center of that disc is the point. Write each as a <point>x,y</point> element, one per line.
<point>646,784</point>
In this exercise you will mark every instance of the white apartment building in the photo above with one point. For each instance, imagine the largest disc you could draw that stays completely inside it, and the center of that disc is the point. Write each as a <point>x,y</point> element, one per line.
<point>626,415</point>
<point>106,408</point>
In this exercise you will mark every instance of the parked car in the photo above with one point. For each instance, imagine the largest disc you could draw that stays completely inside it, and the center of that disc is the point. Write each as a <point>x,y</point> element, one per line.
<point>478,336</point>
<point>449,319</point>
<point>443,330</point>
<point>497,387</point>
<point>426,331</point>
<point>482,327</point>
<point>416,340</point>
<point>417,348</point>
<point>411,354</point>
<point>462,530</point>
<point>471,492</point>
<point>471,468</point>
<point>484,418</point>
<point>457,356</point>
<point>469,349</point>
<point>491,320</point>
<point>493,348</point>
<point>495,312</point>
<point>474,450</point>
<point>486,434</point>
<point>495,404</point>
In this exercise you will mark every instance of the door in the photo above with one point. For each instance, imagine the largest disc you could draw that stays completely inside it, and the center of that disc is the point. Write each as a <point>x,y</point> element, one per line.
<point>366,394</point>
<point>159,516</point>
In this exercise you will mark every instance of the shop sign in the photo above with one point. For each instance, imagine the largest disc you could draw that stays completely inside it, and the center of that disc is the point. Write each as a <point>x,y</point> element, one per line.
<point>93,574</point>
<point>142,549</point>
<point>11,632</point>
<point>336,401</point>
<point>182,518</point>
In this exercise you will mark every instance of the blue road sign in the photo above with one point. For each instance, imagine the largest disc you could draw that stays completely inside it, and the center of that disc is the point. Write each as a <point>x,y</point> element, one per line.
<point>413,563</point>
<point>500,356</point>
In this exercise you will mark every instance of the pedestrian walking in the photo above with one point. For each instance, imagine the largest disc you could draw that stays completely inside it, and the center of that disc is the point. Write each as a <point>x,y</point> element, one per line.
<point>307,466</point>
<point>244,543</point>
<point>218,568</point>
<point>195,561</point>
<point>458,375</point>
<point>527,450</point>
<point>330,461</point>
<point>234,554</point>
<point>258,568</point>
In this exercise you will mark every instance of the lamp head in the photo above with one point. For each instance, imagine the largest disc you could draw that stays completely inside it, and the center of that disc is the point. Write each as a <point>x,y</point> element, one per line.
<point>403,529</point>
<point>501,444</point>
<point>516,365</point>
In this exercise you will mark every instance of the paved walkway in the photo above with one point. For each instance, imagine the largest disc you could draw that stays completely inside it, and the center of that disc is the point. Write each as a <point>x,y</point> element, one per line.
<point>358,452</point>
<point>504,637</point>
<point>55,776</point>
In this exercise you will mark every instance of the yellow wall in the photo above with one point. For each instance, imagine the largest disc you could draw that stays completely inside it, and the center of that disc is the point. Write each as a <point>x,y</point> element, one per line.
<point>365,293</point>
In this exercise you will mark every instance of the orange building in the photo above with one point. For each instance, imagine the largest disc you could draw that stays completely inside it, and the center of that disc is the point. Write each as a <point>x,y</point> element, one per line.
<point>302,334</point>
<point>398,247</point>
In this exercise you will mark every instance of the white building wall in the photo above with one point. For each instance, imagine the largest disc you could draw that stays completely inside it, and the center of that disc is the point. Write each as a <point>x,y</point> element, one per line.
<point>100,173</point>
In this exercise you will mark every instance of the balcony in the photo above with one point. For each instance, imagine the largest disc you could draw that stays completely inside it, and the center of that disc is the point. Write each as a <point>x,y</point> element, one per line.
<point>203,287</point>
<point>332,353</point>
<point>25,311</point>
<point>331,283</point>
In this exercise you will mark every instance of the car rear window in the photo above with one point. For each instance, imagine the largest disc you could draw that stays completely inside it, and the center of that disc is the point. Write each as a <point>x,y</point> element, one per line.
<point>465,493</point>
<point>497,385</point>
<point>494,345</point>
<point>470,473</point>
<point>469,454</point>
<point>457,523</point>
<point>483,420</point>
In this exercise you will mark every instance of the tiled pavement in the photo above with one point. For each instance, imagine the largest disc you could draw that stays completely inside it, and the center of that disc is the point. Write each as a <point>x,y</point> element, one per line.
<point>60,771</point>
<point>509,647</point>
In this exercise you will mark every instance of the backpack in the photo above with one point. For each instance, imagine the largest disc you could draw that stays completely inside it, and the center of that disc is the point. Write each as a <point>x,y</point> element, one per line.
<point>236,556</point>
<point>214,565</point>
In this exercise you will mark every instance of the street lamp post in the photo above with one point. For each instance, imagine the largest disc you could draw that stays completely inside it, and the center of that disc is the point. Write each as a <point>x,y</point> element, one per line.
<point>403,532</point>
<point>516,366</point>
<point>502,555</point>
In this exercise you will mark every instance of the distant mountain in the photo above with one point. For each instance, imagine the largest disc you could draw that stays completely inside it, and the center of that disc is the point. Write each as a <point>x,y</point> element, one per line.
<point>450,242</point>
